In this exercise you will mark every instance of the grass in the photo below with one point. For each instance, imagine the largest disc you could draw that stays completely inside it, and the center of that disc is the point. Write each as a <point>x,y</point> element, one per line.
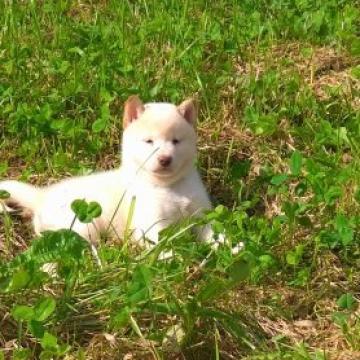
<point>279,142</point>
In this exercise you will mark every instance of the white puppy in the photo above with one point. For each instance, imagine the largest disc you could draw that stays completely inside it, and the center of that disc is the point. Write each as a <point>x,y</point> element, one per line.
<point>157,176</point>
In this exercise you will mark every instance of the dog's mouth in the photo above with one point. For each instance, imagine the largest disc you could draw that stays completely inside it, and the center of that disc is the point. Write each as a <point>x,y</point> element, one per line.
<point>163,171</point>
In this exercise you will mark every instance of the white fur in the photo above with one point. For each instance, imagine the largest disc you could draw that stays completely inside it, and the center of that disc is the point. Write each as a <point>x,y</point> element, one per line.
<point>162,196</point>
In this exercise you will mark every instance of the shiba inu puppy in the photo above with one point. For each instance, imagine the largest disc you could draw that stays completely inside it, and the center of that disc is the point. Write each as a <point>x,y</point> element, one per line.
<point>157,176</point>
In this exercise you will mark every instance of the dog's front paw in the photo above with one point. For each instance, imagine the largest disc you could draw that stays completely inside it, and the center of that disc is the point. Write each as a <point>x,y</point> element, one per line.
<point>207,234</point>
<point>237,248</point>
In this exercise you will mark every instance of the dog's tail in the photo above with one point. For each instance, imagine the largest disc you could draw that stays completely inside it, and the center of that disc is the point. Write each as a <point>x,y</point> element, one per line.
<point>23,197</point>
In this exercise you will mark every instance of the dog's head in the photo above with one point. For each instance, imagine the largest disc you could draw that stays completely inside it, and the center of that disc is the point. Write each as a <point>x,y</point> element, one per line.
<point>159,138</point>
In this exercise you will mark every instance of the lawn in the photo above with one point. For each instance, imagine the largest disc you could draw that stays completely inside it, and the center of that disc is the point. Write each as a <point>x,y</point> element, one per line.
<point>278,85</point>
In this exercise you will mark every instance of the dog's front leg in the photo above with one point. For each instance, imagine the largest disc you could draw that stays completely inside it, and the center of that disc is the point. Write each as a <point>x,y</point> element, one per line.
<point>147,235</point>
<point>150,237</point>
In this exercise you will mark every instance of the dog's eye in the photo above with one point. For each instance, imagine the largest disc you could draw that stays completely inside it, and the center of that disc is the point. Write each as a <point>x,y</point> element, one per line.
<point>175,141</point>
<point>149,141</point>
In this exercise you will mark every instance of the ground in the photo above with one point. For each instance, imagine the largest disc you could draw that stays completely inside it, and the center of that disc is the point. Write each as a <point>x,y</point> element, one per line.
<point>277,84</point>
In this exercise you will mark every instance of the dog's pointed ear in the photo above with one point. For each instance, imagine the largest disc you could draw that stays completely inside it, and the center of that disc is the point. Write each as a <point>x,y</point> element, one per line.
<point>133,108</point>
<point>188,109</point>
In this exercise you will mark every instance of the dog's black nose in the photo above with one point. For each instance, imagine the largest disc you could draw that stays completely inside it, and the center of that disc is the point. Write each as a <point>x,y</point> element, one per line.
<point>165,161</point>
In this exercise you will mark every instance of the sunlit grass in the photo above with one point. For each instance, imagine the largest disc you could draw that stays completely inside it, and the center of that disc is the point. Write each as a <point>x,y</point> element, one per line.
<point>279,142</point>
